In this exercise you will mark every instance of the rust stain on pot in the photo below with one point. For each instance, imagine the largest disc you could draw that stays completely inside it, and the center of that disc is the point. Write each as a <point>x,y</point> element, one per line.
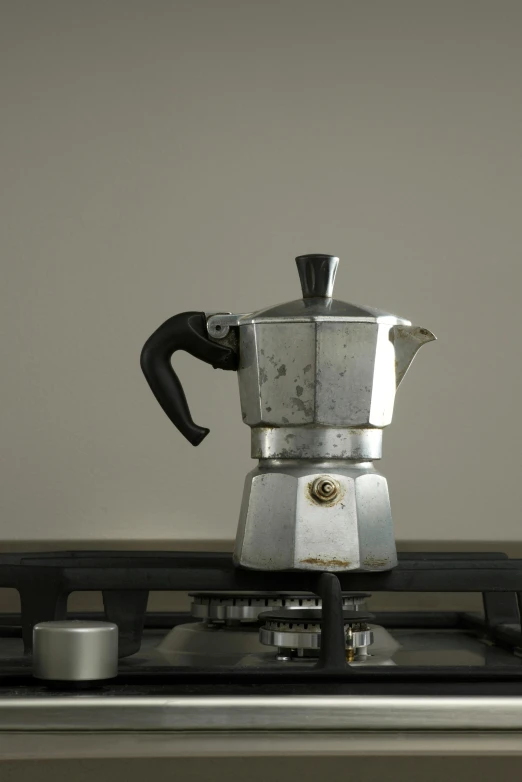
<point>376,563</point>
<point>326,562</point>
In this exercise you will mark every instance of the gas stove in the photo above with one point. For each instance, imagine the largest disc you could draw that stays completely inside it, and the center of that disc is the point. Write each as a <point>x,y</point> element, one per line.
<point>265,650</point>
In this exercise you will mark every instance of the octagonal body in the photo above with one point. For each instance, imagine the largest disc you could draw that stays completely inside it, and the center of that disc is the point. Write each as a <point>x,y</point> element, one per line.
<point>326,373</point>
<point>283,526</point>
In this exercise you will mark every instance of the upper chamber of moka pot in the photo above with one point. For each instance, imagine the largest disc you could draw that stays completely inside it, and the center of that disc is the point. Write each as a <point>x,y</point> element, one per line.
<point>319,362</point>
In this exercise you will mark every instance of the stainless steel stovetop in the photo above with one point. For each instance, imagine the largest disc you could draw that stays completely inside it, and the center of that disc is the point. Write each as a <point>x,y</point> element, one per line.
<point>422,671</point>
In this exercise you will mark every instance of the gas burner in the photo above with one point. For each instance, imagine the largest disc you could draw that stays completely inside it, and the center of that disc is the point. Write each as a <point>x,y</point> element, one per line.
<point>232,608</point>
<point>297,632</point>
<point>229,632</point>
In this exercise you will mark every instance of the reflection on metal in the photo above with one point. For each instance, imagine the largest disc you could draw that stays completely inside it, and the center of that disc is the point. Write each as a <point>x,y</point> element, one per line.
<point>317,275</point>
<point>232,607</point>
<point>300,636</point>
<point>253,713</point>
<point>75,650</point>
<point>309,442</point>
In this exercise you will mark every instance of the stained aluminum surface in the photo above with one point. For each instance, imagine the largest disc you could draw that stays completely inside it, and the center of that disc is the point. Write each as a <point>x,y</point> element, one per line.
<point>282,526</point>
<point>317,382</point>
<point>327,373</point>
<point>305,442</point>
<point>330,373</point>
<point>319,361</point>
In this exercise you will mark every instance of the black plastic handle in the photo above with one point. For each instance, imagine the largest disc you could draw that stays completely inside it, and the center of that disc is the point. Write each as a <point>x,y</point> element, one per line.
<point>186,331</point>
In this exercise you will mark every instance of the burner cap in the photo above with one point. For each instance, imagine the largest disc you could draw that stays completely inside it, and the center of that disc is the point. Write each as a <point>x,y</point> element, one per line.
<point>298,631</point>
<point>311,615</point>
<point>234,607</point>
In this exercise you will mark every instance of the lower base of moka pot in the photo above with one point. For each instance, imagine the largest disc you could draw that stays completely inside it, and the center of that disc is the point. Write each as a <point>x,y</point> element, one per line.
<point>303,514</point>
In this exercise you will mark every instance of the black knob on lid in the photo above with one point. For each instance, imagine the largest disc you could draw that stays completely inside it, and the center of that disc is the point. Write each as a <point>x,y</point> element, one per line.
<point>317,274</point>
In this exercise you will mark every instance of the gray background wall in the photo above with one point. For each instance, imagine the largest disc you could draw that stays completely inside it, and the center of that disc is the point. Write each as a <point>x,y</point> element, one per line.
<point>161,156</point>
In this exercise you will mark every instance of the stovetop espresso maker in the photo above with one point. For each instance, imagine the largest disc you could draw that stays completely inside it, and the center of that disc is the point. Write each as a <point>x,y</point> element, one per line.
<point>317,381</point>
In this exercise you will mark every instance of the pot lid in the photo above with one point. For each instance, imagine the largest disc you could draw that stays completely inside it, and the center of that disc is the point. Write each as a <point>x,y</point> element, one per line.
<point>317,274</point>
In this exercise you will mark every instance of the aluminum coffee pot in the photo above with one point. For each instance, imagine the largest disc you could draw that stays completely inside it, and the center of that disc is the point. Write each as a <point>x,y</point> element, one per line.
<point>317,380</point>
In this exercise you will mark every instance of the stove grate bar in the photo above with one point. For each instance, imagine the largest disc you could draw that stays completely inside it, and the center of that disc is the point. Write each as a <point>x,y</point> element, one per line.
<point>45,580</point>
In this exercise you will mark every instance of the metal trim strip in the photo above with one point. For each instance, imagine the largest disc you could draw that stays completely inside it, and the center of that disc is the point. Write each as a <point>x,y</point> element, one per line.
<point>337,713</point>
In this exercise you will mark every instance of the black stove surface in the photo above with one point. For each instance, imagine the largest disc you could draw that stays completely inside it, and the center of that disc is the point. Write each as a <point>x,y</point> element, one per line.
<point>439,652</point>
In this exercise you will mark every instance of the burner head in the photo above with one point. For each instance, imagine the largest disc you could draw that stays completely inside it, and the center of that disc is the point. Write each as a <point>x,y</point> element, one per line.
<point>246,607</point>
<point>304,616</point>
<point>298,631</point>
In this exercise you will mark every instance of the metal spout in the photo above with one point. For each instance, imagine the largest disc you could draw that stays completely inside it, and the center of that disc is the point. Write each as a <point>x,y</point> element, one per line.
<point>407,340</point>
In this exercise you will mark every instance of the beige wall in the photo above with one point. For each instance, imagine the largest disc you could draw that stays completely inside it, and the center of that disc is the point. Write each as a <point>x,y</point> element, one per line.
<point>161,156</point>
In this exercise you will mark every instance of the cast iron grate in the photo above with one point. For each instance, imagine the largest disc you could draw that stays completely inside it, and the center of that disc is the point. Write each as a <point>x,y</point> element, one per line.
<point>45,580</point>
